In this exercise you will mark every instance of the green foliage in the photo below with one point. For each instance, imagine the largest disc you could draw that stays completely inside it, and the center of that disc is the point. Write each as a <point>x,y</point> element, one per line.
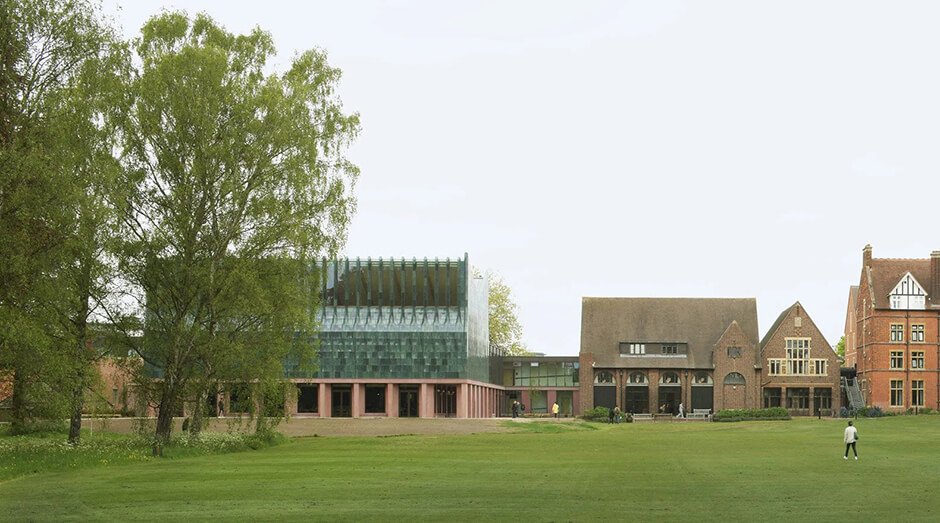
<point>56,98</point>
<point>597,414</point>
<point>239,178</point>
<point>775,413</point>
<point>505,328</point>
<point>840,348</point>
<point>46,451</point>
<point>871,412</point>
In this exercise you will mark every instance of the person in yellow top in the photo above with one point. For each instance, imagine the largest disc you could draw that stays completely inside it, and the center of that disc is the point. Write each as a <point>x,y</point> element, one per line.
<point>555,409</point>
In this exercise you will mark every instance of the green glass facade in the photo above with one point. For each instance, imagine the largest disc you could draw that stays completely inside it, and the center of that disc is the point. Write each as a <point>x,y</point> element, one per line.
<point>408,319</point>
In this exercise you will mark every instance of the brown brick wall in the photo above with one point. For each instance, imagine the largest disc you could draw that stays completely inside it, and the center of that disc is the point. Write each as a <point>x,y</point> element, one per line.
<point>775,347</point>
<point>735,396</point>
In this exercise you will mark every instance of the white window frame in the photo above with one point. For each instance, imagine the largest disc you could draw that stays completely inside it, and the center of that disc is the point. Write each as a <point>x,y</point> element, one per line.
<point>896,361</point>
<point>917,359</point>
<point>896,393</point>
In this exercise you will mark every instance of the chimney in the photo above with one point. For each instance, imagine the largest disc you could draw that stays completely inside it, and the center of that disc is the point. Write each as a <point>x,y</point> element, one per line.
<point>866,256</point>
<point>935,278</point>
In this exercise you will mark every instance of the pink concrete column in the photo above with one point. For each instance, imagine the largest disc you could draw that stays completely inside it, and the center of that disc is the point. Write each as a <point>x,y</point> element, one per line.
<point>357,400</point>
<point>463,400</point>
<point>323,400</point>
<point>391,400</point>
<point>426,402</point>
<point>551,396</point>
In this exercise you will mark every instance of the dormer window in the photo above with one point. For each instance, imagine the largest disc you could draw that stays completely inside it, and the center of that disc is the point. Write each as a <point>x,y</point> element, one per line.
<point>908,294</point>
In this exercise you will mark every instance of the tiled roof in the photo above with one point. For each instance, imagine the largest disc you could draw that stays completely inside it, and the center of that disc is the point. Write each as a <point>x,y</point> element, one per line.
<point>699,322</point>
<point>887,272</point>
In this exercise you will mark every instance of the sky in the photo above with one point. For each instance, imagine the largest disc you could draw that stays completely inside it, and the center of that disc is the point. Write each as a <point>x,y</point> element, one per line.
<point>654,149</point>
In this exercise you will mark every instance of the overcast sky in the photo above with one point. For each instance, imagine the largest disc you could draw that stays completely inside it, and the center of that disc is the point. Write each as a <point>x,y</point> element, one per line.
<point>702,149</point>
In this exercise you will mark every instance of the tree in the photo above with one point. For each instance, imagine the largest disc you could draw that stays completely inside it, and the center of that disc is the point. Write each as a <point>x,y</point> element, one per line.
<point>48,144</point>
<point>505,329</point>
<point>239,179</point>
<point>840,348</point>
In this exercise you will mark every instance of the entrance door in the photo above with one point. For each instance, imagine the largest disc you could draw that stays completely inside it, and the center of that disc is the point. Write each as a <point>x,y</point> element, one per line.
<point>605,396</point>
<point>636,399</point>
<point>342,401</point>
<point>408,401</point>
<point>668,400</point>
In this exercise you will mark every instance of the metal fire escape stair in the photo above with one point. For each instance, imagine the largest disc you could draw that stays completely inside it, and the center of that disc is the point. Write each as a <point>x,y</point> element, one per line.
<point>850,386</point>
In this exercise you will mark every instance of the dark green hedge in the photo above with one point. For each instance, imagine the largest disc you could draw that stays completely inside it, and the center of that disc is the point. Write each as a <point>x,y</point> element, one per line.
<point>775,413</point>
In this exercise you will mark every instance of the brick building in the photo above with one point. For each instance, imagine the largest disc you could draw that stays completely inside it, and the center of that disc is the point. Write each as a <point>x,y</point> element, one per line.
<point>650,354</point>
<point>895,345</point>
<point>800,371</point>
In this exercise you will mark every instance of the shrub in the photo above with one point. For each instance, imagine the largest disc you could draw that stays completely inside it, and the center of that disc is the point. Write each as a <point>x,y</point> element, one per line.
<point>597,414</point>
<point>775,413</point>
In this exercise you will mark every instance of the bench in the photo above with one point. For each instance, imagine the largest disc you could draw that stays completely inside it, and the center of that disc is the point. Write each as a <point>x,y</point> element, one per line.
<point>642,417</point>
<point>699,414</point>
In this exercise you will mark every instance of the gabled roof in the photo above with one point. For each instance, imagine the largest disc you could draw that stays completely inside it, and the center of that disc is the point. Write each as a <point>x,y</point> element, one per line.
<point>885,273</point>
<point>783,315</point>
<point>776,325</point>
<point>699,322</point>
<point>897,286</point>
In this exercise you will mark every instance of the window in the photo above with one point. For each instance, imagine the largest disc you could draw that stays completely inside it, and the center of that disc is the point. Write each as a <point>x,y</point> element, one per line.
<point>917,333</point>
<point>822,398</point>
<point>702,378</point>
<point>114,397</point>
<point>771,397</point>
<point>897,332</point>
<point>632,348</point>
<point>307,398</point>
<point>670,349</point>
<point>775,368</point>
<point>670,378</point>
<point>604,378</point>
<point>375,399</point>
<point>897,359</point>
<point>917,360</point>
<point>897,393</point>
<point>637,378</point>
<point>917,393</point>
<point>819,367</point>
<point>734,352</point>
<point>797,355</point>
<point>798,398</point>
<point>733,378</point>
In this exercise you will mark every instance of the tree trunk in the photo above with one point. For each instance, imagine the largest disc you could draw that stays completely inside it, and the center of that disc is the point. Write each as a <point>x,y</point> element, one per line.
<point>75,425</point>
<point>196,422</point>
<point>82,360</point>
<point>164,419</point>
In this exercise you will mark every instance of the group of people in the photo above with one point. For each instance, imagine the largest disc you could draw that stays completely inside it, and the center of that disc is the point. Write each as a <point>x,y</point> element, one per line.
<point>615,415</point>
<point>519,408</point>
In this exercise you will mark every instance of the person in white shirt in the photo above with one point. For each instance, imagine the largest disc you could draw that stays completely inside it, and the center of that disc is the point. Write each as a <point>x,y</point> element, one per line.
<point>850,437</point>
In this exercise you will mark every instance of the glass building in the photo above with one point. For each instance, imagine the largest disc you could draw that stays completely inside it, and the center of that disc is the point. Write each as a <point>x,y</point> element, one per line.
<point>401,337</point>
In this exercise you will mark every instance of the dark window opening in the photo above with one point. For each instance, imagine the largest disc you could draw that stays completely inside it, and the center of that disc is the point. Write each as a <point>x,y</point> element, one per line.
<point>798,399</point>
<point>771,397</point>
<point>408,401</point>
<point>822,398</point>
<point>445,400</point>
<point>341,396</point>
<point>375,399</point>
<point>308,397</point>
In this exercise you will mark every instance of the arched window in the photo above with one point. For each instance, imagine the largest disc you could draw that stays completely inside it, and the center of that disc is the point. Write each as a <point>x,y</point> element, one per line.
<point>702,378</point>
<point>670,378</point>
<point>733,378</point>
<point>638,378</point>
<point>604,378</point>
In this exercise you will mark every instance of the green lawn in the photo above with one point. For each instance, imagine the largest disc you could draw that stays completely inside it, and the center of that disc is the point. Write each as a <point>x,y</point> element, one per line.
<point>716,471</point>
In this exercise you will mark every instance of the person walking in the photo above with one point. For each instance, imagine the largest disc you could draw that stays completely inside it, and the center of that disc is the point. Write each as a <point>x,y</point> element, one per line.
<point>850,437</point>
<point>555,409</point>
<point>515,409</point>
<point>681,411</point>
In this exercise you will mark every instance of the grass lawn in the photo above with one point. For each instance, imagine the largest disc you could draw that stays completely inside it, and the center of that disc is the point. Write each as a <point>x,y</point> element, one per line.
<point>544,472</point>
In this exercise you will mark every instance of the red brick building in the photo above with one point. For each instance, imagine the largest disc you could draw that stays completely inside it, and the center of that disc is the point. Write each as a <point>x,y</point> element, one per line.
<point>895,346</point>
<point>800,371</point>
